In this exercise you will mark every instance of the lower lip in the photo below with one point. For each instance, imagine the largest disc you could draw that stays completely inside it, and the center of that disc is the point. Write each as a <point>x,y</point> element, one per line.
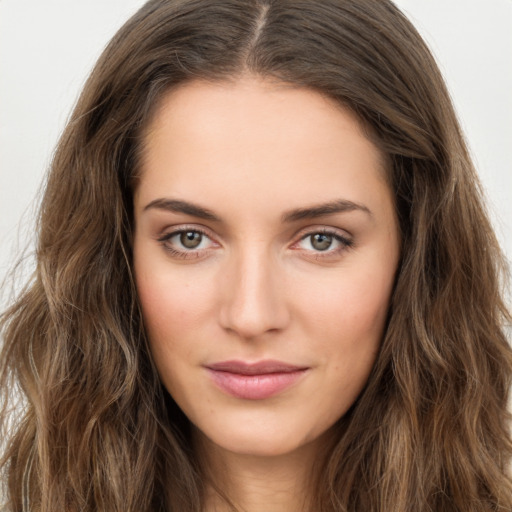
<point>255,387</point>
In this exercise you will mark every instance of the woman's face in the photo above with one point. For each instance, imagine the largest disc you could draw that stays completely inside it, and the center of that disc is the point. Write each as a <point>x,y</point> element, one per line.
<point>265,250</point>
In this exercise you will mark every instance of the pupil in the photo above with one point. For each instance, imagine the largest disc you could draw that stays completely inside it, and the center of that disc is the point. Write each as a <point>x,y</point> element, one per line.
<point>190,239</point>
<point>321,242</point>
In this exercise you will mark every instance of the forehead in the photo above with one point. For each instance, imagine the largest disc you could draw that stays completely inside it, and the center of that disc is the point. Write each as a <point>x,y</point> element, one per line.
<point>254,136</point>
<point>244,104</point>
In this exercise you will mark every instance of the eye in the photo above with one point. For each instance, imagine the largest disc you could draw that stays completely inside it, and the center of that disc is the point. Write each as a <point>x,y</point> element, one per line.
<point>184,243</point>
<point>328,242</point>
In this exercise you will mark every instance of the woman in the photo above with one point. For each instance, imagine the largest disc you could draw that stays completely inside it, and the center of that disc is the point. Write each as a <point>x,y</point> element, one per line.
<point>265,279</point>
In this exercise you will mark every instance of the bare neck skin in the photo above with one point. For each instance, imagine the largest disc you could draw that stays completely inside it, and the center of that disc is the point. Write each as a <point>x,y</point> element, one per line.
<point>254,483</point>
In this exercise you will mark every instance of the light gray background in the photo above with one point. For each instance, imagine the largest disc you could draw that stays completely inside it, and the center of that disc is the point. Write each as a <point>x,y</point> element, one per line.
<point>47,48</point>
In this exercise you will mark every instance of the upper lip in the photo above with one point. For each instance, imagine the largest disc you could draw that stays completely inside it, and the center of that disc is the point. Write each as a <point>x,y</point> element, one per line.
<point>258,368</point>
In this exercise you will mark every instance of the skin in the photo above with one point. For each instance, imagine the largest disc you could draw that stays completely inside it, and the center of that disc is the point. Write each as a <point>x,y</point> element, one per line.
<point>258,286</point>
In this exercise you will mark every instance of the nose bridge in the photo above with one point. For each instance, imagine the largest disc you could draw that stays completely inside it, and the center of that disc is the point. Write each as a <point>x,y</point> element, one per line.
<point>254,301</point>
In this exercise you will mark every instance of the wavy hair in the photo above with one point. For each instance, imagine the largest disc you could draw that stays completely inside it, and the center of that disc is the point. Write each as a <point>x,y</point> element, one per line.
<point>96,431</point>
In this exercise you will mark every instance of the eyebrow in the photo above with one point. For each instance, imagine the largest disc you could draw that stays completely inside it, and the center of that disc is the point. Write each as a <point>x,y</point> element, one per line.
<point>177,206</point>
<point>311,212</point>
<point>330,208</point>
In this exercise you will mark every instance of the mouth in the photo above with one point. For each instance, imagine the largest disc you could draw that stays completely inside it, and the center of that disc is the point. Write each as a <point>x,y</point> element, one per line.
<point>255,381</point>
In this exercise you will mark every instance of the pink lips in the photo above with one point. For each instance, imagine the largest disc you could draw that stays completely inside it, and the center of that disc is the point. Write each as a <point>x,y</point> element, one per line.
<point>255,381</point>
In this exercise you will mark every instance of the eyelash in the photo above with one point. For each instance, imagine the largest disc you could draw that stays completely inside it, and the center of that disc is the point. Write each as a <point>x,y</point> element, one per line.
<point>345,243</point>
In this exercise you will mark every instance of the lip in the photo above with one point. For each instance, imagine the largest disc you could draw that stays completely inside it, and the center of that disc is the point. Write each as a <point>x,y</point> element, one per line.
<point>255,381</point>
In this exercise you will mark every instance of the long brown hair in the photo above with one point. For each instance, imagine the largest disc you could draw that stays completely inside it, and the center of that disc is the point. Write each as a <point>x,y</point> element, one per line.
<point>95,430</point>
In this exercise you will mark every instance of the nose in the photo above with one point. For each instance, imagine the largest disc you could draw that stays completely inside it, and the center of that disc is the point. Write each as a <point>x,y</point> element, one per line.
<point>254,300</point>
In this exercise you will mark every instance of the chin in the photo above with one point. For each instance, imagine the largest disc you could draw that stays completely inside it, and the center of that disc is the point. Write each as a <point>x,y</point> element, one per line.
<point>260,437</point>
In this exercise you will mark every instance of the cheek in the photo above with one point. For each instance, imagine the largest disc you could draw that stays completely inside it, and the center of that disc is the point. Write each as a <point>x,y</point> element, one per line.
<point>347,323</point>
<point>172,311</point>
<point>351,309</point>
<point>350,348</point>
<point>171,307</point>
<point>174,304</point>
<point>163,305</point>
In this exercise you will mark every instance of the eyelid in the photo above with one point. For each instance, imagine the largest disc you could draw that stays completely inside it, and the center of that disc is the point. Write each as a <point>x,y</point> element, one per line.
<point>327,230</point>
<point>170,231</point>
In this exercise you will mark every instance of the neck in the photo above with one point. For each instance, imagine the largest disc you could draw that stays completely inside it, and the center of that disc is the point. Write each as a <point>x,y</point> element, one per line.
<point>253,483</point>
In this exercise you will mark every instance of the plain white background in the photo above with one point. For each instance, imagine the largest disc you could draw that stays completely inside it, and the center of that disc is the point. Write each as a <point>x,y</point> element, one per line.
<point>47,48</point>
